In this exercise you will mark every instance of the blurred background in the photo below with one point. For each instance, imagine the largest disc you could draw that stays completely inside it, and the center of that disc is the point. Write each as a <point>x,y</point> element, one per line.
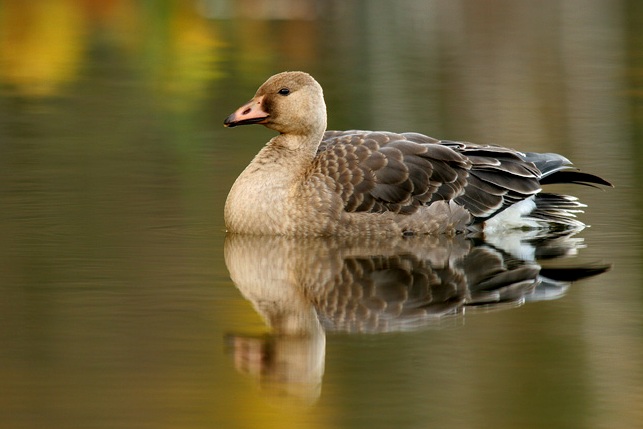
<point>114,168</point>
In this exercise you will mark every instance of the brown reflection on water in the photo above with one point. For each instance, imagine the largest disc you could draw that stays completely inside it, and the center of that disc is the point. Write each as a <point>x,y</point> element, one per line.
<point>114,168</point>
<point>304,288</point>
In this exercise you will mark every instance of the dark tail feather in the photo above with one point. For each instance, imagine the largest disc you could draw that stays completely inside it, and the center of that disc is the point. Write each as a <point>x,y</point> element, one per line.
<point>572,274</point>
<point>556,168</point>
<point>574,176</point>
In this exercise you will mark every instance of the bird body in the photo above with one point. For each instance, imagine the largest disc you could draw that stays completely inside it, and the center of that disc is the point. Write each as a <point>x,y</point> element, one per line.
<point>311,182</point>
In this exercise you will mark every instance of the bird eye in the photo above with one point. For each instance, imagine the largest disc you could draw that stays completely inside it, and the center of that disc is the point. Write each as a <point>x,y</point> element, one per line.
<point>283,91</point>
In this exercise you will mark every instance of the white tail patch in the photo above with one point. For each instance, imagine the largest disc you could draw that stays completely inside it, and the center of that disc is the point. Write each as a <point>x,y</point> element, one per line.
<point>513,218</point>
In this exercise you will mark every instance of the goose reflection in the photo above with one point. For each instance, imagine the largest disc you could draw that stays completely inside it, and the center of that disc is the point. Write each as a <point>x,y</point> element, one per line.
<point>305,287</point>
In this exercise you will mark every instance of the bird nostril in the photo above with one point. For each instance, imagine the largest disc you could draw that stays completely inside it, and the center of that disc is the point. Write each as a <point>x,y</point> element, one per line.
<point>245,112</point>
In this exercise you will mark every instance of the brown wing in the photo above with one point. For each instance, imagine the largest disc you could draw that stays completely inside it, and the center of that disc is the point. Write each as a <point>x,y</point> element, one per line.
<point>380,171</point>
<point>498,178</point>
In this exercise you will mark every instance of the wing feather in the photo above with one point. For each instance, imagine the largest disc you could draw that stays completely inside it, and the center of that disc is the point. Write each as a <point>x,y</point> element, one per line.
<point>382,171</point>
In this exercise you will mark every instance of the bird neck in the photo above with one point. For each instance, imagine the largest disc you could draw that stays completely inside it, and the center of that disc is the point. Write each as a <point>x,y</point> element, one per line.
<point>300,146</point>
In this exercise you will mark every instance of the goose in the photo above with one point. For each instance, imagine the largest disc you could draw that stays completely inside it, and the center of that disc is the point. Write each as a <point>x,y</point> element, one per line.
<point>308,181</point>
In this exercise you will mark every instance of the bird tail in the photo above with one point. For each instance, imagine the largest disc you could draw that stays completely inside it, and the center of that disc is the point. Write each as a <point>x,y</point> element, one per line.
<point>556,168</point>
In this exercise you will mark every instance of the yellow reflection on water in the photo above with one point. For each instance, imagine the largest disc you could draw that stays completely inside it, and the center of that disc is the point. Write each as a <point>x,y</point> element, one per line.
<point>45,45</point>
<point>40,45</point>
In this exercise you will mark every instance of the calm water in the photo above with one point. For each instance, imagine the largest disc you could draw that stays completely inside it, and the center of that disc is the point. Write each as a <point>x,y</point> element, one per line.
<point>118,307</point>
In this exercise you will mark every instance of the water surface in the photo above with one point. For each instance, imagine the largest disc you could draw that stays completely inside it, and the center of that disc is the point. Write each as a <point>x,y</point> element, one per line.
<point>118,308</point>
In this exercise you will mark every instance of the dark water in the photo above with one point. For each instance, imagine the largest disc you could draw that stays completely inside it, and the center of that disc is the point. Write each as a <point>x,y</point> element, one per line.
<point>118,308</point>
